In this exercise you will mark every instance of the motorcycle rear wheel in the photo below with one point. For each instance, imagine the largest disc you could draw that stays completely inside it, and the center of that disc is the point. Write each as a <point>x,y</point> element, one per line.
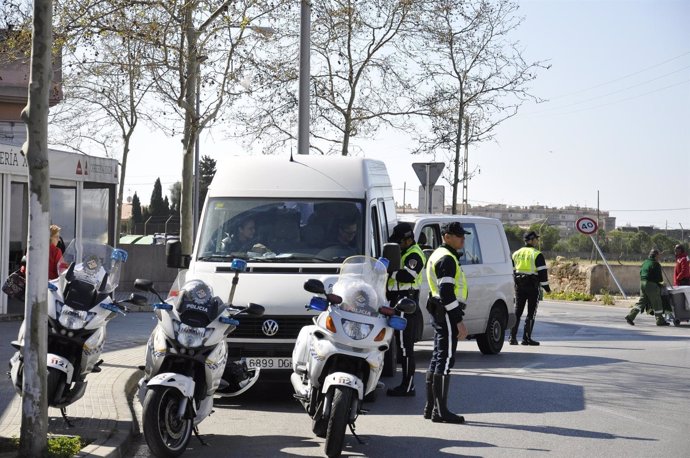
<point>340,414</point>
<point>165,433</point>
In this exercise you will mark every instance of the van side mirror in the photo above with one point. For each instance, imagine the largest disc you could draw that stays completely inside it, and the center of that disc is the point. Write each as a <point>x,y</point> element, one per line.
<point>174,257</point>
<point>391,251</point>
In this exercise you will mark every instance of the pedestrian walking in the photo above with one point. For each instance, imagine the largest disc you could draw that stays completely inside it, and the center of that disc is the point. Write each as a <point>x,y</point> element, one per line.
<point>651,282</point>
<point>405,283</point>
<point>446,304</point>
<point>531,275</point>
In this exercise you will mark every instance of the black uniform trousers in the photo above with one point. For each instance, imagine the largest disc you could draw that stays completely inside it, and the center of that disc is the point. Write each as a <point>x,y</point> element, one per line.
<point>526,291</point>
<point>445,344</point>
<point>408,336</point>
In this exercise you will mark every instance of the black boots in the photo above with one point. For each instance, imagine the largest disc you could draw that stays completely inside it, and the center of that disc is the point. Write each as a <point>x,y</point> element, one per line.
<point>429,406</point>
<point>513,334</point>
<point>441,414</point>
<point>660,320</point>
<point>527,333</point>
<point>406,388</point>
<point>630,317</point>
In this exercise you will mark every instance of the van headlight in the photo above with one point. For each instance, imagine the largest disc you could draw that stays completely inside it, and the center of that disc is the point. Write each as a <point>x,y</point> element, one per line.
<point>189,336</point>
<point>356,330</point>
<point>73,319</point>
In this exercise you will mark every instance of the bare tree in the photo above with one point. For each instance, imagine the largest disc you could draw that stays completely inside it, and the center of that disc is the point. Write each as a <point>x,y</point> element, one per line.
<point>34,428</point>
<point>359,82</point>
<point>471,72</point>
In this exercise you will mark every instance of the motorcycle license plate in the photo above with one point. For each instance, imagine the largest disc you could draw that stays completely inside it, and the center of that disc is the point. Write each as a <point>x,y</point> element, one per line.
<point>269,363</point>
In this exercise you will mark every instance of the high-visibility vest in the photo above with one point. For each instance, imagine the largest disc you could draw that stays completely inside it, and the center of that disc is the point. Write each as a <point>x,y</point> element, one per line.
<point>460,281</point>
<point>394,285</point>
<point>525,260</point>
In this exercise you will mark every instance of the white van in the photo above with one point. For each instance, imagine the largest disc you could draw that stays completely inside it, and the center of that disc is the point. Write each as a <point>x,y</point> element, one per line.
<point>486,261</point>
<point>304,211</point>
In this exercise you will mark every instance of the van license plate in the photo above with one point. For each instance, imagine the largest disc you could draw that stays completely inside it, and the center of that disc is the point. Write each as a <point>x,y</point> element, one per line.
<point>269,363</point>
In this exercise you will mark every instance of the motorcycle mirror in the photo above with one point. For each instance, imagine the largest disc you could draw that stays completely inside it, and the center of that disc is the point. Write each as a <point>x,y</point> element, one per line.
<point>137,299</point>
<point>314,286</point>
<point>334,298</point>
<point>406,305</point>
<point>255,309</point>
<point>69,276</point>
<point>391,251</point>
<point>143,284</point>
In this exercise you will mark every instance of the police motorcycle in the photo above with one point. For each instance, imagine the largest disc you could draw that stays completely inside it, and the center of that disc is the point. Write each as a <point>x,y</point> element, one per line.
<point>338,360</point>
<point>186,356</point>
<point>80,305</point>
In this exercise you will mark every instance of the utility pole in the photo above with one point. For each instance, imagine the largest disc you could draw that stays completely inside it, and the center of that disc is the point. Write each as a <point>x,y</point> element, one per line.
<point>304,69</point>
<point>596,254</point>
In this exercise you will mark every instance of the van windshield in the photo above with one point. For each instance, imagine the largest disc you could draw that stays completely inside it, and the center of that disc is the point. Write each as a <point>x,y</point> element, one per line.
<point>275,230</point>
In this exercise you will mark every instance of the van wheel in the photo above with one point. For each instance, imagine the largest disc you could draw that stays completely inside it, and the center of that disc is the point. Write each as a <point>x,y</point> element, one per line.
<point>491,342</point>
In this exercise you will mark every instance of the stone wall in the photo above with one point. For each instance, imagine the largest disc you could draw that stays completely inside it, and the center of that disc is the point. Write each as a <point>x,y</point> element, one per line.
<point>569,276</point>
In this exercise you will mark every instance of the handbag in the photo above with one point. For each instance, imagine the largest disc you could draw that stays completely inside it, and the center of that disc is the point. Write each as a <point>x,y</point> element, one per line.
<point>15,285</point>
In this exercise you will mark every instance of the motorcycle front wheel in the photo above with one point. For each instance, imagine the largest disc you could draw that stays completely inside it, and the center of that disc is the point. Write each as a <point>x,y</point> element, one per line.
<point>340,414</point>
<point>166,434</point>
<point>55,385</point>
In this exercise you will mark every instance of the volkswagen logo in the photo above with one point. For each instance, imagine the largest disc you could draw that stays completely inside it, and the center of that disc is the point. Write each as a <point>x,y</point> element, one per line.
<point>270,328</point>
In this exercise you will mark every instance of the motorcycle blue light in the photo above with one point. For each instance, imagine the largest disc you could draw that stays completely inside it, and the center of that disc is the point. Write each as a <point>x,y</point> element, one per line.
<point>162,306</point>
<point>238,265</point>
<point>228,320</point>
<point>119,255</point>
<point>397,322</point>
<point>318,303</point>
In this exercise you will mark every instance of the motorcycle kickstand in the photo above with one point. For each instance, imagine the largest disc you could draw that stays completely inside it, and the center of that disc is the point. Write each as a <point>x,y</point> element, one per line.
<point>352,430</point>
<point>63,411</point>
<point>198,436</point>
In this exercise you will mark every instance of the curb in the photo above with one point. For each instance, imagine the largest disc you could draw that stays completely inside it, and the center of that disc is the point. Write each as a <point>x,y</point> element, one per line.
<point>117,443</point>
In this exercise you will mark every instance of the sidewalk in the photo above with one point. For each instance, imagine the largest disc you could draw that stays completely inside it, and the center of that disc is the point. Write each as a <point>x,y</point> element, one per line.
<point>103,417</point>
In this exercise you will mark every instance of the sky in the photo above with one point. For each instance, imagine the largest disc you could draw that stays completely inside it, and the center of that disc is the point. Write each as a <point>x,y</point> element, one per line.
<point>616,123</point>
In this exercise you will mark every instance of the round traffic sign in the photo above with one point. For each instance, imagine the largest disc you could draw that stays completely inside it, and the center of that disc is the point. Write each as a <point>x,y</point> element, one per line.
<point>586,225</point>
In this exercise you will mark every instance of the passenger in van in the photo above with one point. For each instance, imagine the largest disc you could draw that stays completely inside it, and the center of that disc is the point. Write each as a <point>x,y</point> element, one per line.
<point>405,283</point>
<point>345,243</point>
<point>244,239</point>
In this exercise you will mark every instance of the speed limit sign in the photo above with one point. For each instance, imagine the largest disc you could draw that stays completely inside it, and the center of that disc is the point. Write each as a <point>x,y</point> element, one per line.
<point>586,225</point>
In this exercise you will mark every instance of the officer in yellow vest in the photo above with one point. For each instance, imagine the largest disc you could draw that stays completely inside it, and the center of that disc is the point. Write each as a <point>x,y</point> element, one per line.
<point>447,299</point>
<point>405,283</point>
<point>530,276</point>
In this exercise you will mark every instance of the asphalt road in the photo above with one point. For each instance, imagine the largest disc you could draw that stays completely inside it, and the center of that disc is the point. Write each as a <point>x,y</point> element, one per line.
<point>595,387</point>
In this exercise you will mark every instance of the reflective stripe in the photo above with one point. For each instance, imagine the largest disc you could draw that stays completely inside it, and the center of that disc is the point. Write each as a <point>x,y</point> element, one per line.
<point>412,272</point>
<point>446,370</point>
<point>541,268</point>
<point>446,280</point>
<point>544,283</point>
<point>450,306</point>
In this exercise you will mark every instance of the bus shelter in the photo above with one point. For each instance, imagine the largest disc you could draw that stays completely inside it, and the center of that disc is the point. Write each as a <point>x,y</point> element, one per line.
<point>83,192</point>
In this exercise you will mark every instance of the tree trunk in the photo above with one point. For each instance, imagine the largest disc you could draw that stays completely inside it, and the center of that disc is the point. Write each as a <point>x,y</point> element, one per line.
<point>191,126</point>
<point>456,162</point>
<point>120,191</point>
<point>34,429</point>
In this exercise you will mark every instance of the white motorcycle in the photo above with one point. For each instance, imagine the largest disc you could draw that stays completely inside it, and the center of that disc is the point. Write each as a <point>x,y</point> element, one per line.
<point>80,304</point>
<point>338,360</point>
<point>186,356</point>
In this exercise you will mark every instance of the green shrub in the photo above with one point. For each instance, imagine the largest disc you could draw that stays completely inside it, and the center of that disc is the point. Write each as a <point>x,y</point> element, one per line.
<point>63,446</point>
<point>568,296</point>
<point>606,297</point>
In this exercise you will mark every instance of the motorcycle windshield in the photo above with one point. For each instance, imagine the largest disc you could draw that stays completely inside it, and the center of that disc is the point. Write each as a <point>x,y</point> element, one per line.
<point>93,262</point>
<point>362,285</point>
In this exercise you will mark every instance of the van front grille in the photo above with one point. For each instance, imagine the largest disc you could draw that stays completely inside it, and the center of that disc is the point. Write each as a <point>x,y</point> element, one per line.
<point>288,326</point>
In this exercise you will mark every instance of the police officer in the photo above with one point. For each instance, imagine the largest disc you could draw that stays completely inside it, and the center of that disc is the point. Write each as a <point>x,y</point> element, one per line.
<point>447,296</point>
<point>405,283</point>
<point>530,275</point>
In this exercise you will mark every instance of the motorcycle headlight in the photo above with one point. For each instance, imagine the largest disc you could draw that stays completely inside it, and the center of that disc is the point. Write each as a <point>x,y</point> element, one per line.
<point>189,336</point>
<point>73,319</point>
<point>356,330</point>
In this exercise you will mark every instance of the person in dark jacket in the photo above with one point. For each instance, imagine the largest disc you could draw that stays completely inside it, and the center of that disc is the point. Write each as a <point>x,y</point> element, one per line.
<point>405,282</point>
<point>530,276</point>
<point>651,282</point>
<point>447,299</point>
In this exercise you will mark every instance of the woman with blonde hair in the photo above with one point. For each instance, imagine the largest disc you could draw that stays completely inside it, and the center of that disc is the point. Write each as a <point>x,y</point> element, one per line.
<point>54,253</point>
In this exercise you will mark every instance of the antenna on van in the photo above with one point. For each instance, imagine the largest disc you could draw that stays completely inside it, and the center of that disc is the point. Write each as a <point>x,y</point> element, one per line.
<point>291,159</point>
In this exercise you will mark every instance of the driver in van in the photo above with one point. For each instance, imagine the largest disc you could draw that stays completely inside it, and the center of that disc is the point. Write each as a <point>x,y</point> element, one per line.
<point>405,283</point>
<point>243,240</point>
<point>345,240</point>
